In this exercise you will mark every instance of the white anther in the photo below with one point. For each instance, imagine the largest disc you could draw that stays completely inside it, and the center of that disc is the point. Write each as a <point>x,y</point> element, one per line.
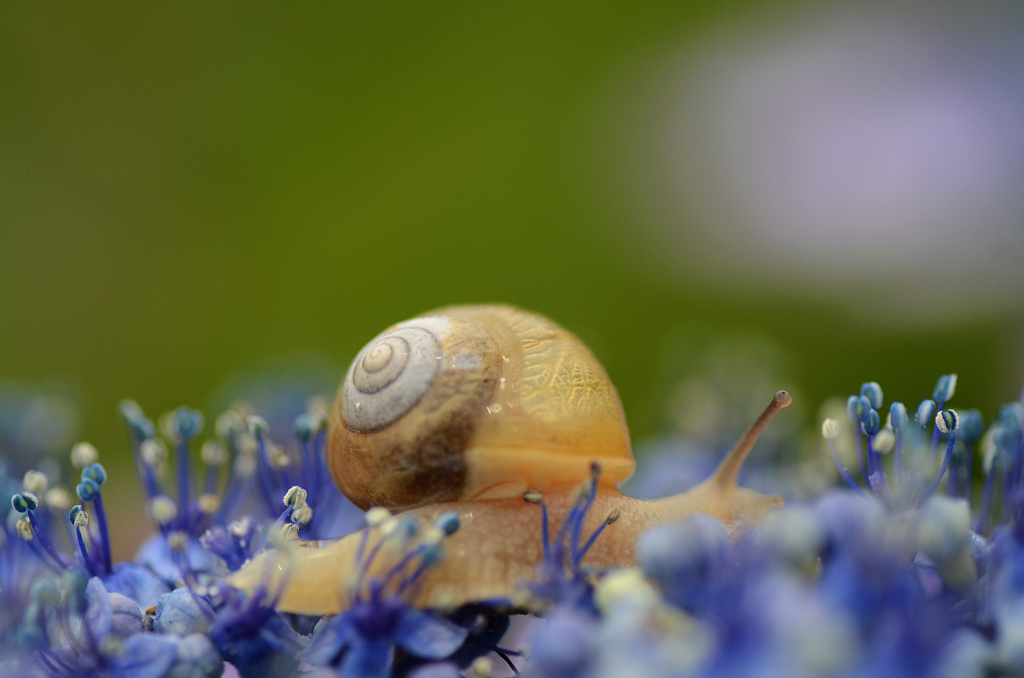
<point>278,457</point>
<point>295,497</point>
<point>433,536</point>
<point>162,509</point>
<point>989,450</point>
<point>35,482</point>
<point>245,466</point>
<point>213,453</point>
<point>208,503</point>
<point>227,423</point>
<point>58,498</point>
<point>153,452</point>
<point>940,421</point>
<point>81,519</point>
<point>240,527</point>
<point>257,424</point>
<point>885,441</point>
<point>830,429</point>
<point>377,515</point>
<point>388,527</point>
<point>290,532</point>
<point>483,667</point>
<point>84,454</point>
<point>177,541</point>
<point>25,529</point>
<point>302,515</point>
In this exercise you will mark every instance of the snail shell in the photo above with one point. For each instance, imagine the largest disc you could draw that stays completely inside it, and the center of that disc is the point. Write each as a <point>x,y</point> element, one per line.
<point>473,402</point>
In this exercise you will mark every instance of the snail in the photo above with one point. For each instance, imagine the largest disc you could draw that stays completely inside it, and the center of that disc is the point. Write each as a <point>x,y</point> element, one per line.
<point>464,409</point>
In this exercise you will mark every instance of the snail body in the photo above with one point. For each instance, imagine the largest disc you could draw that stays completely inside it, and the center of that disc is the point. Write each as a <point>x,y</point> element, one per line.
<point>463,410</point>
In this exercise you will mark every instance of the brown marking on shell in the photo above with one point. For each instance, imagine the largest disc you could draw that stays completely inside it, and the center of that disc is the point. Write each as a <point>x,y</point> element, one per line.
<point>419,458</point>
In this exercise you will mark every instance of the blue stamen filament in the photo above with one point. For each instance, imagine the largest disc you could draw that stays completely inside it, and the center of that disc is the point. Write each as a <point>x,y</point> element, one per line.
<point>860,456</point>
<point>898,456</point>
<point>842,469</point>
<point>41,554</point>
<point>942,469</point>
<point>106,561</point>
<point>264,470</point>
<point>870,454</point>
<point>86,560</point>
<point>44,543</point>
<point>591,492</point>
<point>281,521</point>
<point>593,537</point>
<point>184,472</point>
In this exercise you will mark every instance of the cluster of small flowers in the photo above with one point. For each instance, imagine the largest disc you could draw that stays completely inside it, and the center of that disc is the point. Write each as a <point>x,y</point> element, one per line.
<point>916,569</point>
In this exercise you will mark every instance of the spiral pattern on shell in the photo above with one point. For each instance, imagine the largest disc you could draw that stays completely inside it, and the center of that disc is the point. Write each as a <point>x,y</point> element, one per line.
<point>389,377</point>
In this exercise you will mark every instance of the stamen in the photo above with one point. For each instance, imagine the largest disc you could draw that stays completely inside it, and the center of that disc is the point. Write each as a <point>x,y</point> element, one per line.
<point>535,497</point>
<point>946,421</point>
<point>611,518</point>
<point>80,519</point>
<point>830,431</point>
<point>35,482</point>
<point>84,454</point>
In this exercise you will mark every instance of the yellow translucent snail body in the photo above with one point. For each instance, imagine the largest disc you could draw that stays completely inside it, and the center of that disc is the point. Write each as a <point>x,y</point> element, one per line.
<point>464,410</point>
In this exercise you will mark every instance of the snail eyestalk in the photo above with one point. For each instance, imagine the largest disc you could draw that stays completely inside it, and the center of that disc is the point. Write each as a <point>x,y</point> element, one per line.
<point>729,469</point>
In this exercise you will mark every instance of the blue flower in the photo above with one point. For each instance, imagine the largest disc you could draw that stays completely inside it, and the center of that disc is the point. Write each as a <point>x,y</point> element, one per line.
<point>80,630</point>
<point>361,641</point>
<point>258,466</point>
<point>250,634</point>
<point>687,559</point>
<point>911,484</point>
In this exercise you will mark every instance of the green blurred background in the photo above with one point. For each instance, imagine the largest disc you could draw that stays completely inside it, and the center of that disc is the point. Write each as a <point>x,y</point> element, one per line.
<point>192,190</point>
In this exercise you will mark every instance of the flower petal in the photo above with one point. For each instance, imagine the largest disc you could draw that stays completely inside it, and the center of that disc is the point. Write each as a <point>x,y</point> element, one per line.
<point>98,613</point>
<point>331,637</point>
<point>427,636</point>
<point>146,655</point>
<point>368,660</point>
